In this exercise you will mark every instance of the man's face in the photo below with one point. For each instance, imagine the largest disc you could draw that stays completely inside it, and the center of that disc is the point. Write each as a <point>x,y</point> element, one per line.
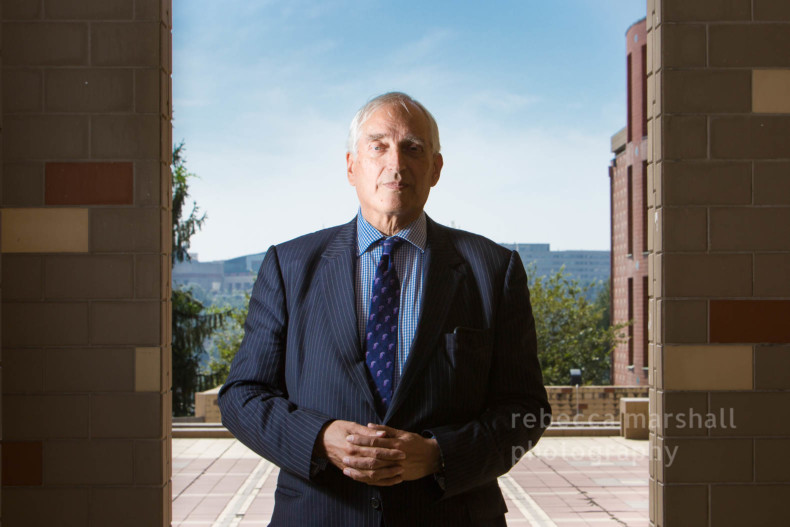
<point>394,168</point>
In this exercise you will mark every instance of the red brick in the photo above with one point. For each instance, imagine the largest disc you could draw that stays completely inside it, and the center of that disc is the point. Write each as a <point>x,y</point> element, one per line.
<point>89,184</point>
<point>749,321</point>
<point>22,463</point>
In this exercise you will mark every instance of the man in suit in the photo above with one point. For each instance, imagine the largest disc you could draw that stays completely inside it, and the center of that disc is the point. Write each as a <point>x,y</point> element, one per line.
<point>389,365</point>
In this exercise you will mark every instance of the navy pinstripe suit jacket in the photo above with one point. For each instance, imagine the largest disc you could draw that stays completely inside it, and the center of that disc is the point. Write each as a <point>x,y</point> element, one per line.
<point>471,378</point>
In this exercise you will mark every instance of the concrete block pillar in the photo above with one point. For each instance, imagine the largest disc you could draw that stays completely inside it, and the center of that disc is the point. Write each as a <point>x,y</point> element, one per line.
<point>719,129</point>
<point>85,246</point>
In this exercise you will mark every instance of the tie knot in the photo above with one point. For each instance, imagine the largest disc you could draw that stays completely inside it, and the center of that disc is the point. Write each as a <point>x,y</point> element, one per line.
<point>388,244</point>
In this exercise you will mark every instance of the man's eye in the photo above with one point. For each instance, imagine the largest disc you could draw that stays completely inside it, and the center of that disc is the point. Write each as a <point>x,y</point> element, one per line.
<point>415,148</point>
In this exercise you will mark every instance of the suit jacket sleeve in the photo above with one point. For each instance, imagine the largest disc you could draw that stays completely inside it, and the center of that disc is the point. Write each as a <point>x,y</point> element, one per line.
<point>517,410</point>
<point>254,400</point>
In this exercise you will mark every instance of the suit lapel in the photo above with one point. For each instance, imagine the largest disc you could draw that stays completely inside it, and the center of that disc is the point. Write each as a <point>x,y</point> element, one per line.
<point>338,277</point>
<point>443,271</point>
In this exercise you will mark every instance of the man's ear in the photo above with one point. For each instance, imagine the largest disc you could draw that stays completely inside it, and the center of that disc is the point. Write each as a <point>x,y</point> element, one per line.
<point>438,163</point>
<point>350,168</point>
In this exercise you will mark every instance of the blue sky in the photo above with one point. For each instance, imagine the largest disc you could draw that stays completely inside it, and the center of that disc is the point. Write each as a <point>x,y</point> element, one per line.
<point>527,95</point>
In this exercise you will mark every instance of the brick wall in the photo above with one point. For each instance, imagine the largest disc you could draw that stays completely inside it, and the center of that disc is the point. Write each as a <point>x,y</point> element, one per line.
<point>590,403</point>
<point>85,248</point>
<point>719,174</point>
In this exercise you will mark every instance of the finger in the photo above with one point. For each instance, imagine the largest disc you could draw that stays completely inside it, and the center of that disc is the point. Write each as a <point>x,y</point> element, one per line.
<point>356,428</point>
<point>372,476</point>
<point>371,441</point>
<point>367,463</point>
<point>392,432</point>
<point>380,454</point>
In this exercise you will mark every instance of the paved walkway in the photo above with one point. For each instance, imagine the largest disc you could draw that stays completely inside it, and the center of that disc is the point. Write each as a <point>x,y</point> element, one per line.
<point>564,482</point>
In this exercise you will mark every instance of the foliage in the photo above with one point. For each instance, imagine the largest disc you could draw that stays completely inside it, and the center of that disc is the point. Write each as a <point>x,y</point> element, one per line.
<point>572,331</point>
<point>183,229</point>
<point>227,340</point>
<point>191,327</point>
<point>191,324</point>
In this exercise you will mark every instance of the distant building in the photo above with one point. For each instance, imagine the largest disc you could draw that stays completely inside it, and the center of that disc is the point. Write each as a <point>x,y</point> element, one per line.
<point>585,266</point>
<point>221,276</point>
<point>628,184</point>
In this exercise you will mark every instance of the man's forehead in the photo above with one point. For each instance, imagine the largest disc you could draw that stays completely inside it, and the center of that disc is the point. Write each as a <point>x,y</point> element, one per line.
<point>388,116</point>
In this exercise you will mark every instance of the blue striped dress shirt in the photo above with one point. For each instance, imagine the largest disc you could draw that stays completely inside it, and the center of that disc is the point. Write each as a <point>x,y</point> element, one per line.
<point>409,266</point>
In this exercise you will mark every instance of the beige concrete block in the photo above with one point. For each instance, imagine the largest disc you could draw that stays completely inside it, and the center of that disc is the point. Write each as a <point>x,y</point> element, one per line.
<point>688,367</point>
<point>22,9</point>
<point>125,136</point>
<point>148,373</point>
<point>738,505</point>
<point>125,230</point>
<point>22,277</point>
<point>23,184</point>
<point>88,462</point>
<point>147,276</point>
<point>147,90</point>
<point>150,462</point>
<point>45,507</point>
<point>166,369</point>
<point>88,9</point>
<point>657,144</point>
<point>89,370</point>
<point>22,89</point>
<point>657,226</point>
<point>707,183</point>
<point>707,10</point>
<point>749,45</point>
<point>127,506</point>
<point>33,137</point>
<point>771,365</point>
<point>128,416</point>
<point>772,460</point>
<point>685,229</point>
<point>749,414</point>
<point>125,323</point>
<point>32,324</point>
<point>749,228</point>
<point>44,230</point>
<point>166,138</point>
<point>125,44</point>
<point>165,48</point>
<point>167,12</point>
<point>146,183</point>
<point>684,414</point>
<point>684,46</point>
<point>36,417</point>
<point>771,10</point>
<point>699,460</point>
<point>707,275</point>
<point>166,227</point>
<point>45,44</point>
<point>755,136</point>
<point>685,321</point>
<point>772,183</point>
<point>89,90</point>
<point>166,277</point>
<point>165,95</point>
<point>23,371</point>
<point>771,91</point>
<point>772,275</point>
<point>166,190</point>
<point>146,10</point>
<point>685,137</point>
<point>707,91</point>
<point>88,277</point>
<point>685,505</point>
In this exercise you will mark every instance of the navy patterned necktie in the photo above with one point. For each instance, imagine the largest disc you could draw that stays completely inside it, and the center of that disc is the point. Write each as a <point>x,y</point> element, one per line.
<point>381,332</point>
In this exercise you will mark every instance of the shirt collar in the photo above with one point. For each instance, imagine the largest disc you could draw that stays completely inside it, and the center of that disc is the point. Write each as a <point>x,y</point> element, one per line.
<point>416,233</point>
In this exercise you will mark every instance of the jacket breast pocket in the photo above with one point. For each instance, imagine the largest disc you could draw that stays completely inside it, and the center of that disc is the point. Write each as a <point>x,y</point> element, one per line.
<point>469,352</point>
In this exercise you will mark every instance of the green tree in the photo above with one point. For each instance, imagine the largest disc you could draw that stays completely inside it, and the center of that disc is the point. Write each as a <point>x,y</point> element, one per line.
<point>572,331</point>
<point>227,340</point>
<point>192,324</point>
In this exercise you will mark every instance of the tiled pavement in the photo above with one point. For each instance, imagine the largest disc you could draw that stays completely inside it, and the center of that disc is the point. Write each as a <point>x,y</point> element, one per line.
<point>565,481</point>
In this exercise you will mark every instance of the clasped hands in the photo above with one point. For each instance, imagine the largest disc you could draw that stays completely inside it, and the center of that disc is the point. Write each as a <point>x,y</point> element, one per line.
<point>377,454</point>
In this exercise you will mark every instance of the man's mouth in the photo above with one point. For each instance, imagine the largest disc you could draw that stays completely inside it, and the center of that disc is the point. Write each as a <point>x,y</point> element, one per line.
<point>394,185</point>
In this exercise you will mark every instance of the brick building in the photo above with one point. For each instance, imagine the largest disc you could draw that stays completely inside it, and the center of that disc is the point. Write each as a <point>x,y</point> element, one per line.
<point>628,184</point>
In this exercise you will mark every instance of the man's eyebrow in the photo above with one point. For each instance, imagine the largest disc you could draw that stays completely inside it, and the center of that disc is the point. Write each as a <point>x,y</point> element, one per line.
<point>411,138</point>
<point>375,137</point>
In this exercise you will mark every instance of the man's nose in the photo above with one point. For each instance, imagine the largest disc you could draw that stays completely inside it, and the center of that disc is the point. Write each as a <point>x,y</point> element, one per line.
<point>395,160</point>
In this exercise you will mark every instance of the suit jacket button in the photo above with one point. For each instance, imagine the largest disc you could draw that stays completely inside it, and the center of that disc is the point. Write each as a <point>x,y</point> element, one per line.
<point>375,503</point>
